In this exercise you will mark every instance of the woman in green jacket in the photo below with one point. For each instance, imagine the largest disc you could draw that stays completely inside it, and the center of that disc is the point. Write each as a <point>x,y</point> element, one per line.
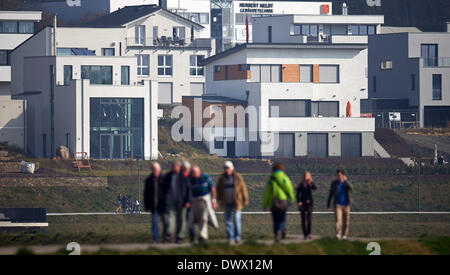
<point>278,195</point>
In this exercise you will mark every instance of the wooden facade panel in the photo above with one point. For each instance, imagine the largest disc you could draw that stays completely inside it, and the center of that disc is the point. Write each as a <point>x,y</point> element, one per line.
<point>290,73</point>
<point>316,73</point>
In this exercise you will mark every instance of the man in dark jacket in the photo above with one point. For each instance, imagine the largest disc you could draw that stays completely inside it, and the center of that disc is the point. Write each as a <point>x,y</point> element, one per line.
<point>172,196</point>
<point>340,196</point>
<point>152,198</point>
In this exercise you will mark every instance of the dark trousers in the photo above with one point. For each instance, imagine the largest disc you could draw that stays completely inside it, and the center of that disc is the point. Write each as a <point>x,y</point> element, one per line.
<point>279,221</point>
<point>306,217</point>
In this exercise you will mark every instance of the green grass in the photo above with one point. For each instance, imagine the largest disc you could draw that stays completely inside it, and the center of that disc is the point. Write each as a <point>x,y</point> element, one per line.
<point>323,246</point>
<point>371,193</point>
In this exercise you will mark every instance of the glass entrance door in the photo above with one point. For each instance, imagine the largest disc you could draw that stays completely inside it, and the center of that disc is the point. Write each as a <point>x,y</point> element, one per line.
<point>116,146</point>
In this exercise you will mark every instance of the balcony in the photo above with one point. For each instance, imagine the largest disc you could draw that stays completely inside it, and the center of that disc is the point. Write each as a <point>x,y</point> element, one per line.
<point>436,62</point>
<point>168,42</point>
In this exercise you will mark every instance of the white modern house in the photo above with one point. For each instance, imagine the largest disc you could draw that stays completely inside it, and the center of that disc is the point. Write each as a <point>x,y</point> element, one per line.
<point>75,10</point>
<point>409,72</point>
<point>167,46</point>
<point>229,18</point>
<point>90,103</point>
<point>15,27</point>
<point>306,75</point>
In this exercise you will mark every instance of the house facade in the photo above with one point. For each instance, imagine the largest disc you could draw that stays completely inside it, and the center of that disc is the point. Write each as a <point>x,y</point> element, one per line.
<point>305,75</point>
<point>15,28</point>
<point>87,102</point>
<point>166,45</point>
<point>411,71</point>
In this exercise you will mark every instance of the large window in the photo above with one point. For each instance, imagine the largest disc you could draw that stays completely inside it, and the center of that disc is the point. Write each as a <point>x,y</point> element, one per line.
<point>325,109</point>
<point>339,29</point>
<point>97,74</point>
<point>17,27</point>
<point>164,65</point>
<point>67,74</point>
<point>329,73</point>
<point>143,64</point>
<point>194,68</point>
<point>26,27</point>
<point>429,53</point>
<point>437,87</point>
<point>116,128</point>
<point>363,29</point>
<point>4,57</point>
<point>289,108</point>
<point>200,18</point>
<point>139,32</point>
<point>241,19</point>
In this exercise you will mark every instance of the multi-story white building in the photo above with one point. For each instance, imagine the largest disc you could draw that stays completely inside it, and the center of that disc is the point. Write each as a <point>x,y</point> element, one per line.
<point>90,103</point>
<point>412,67</point>
<point>76,11</point>
<point>167,47</point>
<point>15,27</point>
<point>224,20</point>
<point>306,74</point>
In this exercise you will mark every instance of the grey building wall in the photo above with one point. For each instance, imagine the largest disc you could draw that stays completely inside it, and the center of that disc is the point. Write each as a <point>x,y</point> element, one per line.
<point>367,144</point>
<point>334,144</point>
<point>301,142</point>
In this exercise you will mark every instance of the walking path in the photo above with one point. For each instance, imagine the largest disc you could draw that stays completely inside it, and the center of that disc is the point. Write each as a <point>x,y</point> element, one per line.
<point>130,247</point>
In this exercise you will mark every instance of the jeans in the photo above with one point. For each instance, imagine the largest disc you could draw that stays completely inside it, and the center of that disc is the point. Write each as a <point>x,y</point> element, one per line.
<point>233,223</point>
<point>279,221</point>
<point>306,213</point>
<point>190,227</point>
<point>180,221</point>
<point>155,228</point>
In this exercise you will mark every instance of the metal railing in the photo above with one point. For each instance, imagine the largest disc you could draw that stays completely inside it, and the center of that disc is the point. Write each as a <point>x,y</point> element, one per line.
<point>168,42</point>
<point>432,62</point>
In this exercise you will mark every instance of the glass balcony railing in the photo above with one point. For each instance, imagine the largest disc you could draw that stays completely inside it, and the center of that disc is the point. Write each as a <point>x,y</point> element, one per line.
<point>430,62</point>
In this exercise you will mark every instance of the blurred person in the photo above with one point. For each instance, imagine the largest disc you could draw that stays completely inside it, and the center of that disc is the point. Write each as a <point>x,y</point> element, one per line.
<point>119,203</point>
<point>152,198</point>
<point>233,196</point>
<point>305,203</point>
<point>181,199</point>
<point>170,192</point>
<point>203,203</point>
<point>278,195</point>
<point>340,196</point>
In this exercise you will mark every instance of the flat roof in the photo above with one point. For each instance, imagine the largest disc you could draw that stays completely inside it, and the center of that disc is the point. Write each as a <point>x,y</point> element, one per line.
<point>21,15</point>
<point>281,46</point>
<point>217,99</point>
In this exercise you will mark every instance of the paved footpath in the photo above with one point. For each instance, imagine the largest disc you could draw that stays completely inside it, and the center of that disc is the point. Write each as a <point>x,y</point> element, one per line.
<point>52,249</point>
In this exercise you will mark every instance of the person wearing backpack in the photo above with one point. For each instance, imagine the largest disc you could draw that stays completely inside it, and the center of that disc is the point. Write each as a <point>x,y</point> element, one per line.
<point>278,196</point>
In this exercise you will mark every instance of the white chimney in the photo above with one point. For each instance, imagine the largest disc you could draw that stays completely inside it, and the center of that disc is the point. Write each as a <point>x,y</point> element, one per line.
<point>344,9</point>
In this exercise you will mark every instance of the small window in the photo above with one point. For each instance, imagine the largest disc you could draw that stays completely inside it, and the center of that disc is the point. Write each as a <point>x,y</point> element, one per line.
<point>386,65</point>
<point>374,84</point>
<point>4,57</point>
<point>194,68</point>
<point>67,74</point>
<point>216,69</point>
<point>143,64</point>
<point>244,67</point>
<point>107,51</point>
<point>437,87</point>
<point>164,65</point>
<point>125,75</point>
<point>413,82</point>
<point>219,144</point>
<point>306,73</point>
<point>269,33</point>
<point>26,27</point>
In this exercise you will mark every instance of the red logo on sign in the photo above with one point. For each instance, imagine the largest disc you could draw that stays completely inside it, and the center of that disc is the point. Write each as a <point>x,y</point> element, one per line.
<point>324,9</point>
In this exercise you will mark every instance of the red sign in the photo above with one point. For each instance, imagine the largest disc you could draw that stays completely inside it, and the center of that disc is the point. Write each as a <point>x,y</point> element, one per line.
<point>325,9</point>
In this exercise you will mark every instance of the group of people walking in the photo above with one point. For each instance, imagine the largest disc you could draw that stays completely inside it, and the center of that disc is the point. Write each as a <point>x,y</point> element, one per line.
<point>186,198</point>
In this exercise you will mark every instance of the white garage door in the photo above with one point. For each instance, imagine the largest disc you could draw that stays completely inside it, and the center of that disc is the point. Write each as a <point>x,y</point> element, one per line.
<point>197,88</point>
<point>165,93</point>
